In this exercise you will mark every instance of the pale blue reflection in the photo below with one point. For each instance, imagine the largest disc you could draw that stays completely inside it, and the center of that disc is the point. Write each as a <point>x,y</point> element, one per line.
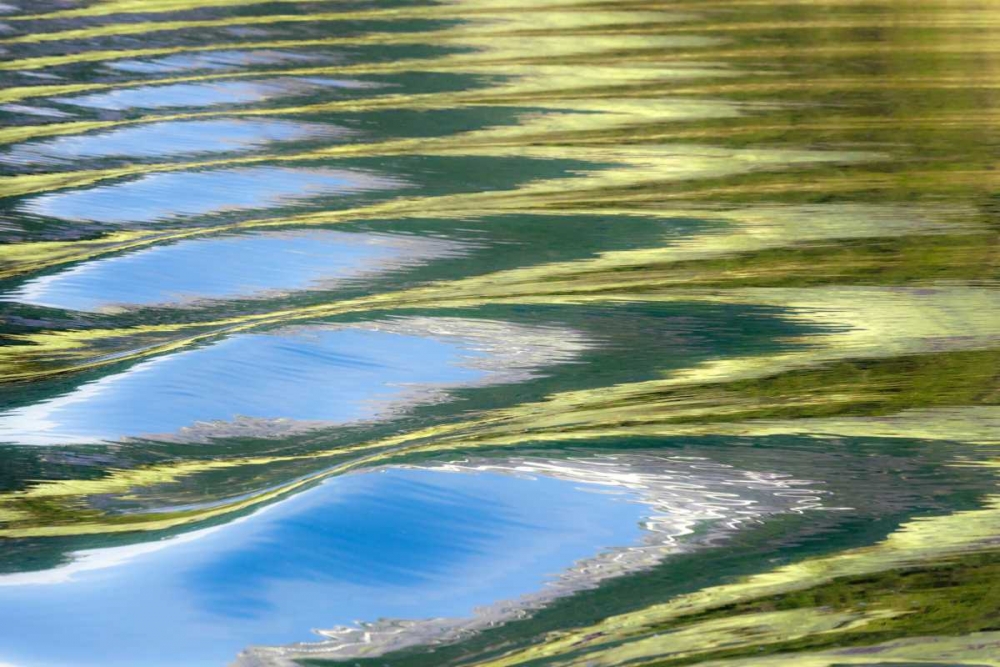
<point>213,60</point>
<point>171,195</point>
<point>397,543</point>
<point>207,94</point>
<point>308,375</point>
<point>229,266</point>
<point>34,111</point>
<point>171,138</point>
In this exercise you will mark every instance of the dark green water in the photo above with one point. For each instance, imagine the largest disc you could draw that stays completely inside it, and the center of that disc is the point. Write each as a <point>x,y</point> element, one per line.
<point>499,333</point>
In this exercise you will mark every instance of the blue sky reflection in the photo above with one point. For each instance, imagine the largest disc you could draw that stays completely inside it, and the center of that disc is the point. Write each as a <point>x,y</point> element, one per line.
<point>166,196</point>
<point>226,267</point>
<point>399,543</point>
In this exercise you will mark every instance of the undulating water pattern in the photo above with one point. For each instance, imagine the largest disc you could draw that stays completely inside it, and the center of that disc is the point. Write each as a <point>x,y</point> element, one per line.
<point>480,333</point>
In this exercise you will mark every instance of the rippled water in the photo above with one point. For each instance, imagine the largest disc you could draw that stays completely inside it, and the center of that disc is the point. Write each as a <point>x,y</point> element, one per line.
<point>499,333</point>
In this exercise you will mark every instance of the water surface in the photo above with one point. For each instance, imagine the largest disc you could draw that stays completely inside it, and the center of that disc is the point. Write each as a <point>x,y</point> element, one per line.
<point>496,334</point>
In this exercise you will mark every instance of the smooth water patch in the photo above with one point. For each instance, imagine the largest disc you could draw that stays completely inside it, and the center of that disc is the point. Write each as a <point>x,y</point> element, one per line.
<point>298,378</point>
<point>396,543</point>
<point>42,112</point>
<point>225,267</point>
<point>690,503</point>
<point>173,138</point>
<point>214,60</point>
<point>166,196</point>
<point>209,94</point>
<point>383,559</point>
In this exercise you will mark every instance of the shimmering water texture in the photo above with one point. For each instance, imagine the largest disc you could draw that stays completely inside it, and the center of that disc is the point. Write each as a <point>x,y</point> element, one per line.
<point>467,332</point>
<point>168,140</point>
<point>398,542</point>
